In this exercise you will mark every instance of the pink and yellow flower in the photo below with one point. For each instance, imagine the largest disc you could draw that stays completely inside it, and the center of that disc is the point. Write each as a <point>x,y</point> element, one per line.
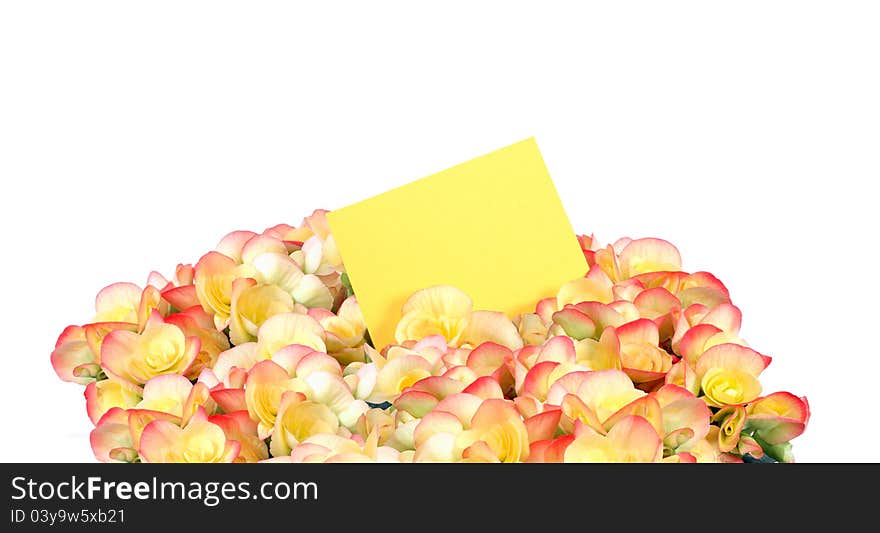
<point>632,440</point>
<point>728,374</point>
<point>448,311</point>
<point>199,441</point>
<point>260,352</point>
<point>160,349</point>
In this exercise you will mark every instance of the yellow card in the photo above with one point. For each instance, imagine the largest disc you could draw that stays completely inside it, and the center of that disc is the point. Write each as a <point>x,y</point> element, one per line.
<point>493,227</point>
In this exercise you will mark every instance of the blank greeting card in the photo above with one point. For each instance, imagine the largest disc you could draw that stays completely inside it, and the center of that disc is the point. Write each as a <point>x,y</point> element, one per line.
<point>493,227</point>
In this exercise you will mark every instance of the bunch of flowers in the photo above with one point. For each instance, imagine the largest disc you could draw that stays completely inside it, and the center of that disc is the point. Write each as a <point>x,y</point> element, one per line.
<point>259,352</point>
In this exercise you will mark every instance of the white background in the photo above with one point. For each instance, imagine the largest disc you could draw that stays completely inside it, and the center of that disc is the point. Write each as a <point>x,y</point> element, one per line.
<point>133,136</point>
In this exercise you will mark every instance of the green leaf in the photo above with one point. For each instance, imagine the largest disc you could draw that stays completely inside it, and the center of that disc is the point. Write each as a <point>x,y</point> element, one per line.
<point>780,452</point>
<point>349,291</point>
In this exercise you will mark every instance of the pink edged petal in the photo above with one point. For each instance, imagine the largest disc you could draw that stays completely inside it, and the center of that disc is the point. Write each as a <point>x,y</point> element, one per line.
<point>330,390</point>
<point>783,404</point>
<point>671,281</point>
<point>525,358</point>
<point>726,317</point>
<point>497,416</point>
<point>731,357</point>
<point>606,258</point>
<point>70,333</point>
<point>567,384</point>
<point>243,356</point>
<point>632,439</point>
<point>312,292</point>
<point>626,310</point>
<point>231,244</point>
<point>117,303</point>
<point>266,382</point>
<point>704,279</point>
<point>70,355</point>
<point>415,402</point>
<point>778,417</point>
<point>545,308</point>
<point>101,396</point>
<point>116,350</point>
<point>656,302</point>
<point>192,348</point>
<point>606,391</point>
<point>238,426</point>
<point>198,400</point>
<point>641,331</point>
<point>661,306</point>
<point>706,296</point>
<point>575,324</point>
<point>261,244</point>
<point>237,378</point>
<point>669,394</point>
<point>198,315</point>
<point>576,413</point>
<point>111,432</point>
<point>601,355</point>
<point>627,290</point>
<point>645,407</point>
<point>542,426</point>
<point>157,439</point>
<point>642,377</point>
<point>151,301</point>
<point>681,409</point>
<point>437,342</point>
<point>596,273</point>
<point>648,255</point>
<point>559,349</point>
<point>167,393</point>
<point>306,452</point>
<point>528,406</point>
<point>681,326</point>
<point>694,313</point>
<point>95,333</point>
<point>438,386</point>
<point>585,290</point>
<point>602,315</point>
<point>694,341</point>
<point>537,450</point>
<point>681,457</point>
<point>677,439</point>
<point>485,387</point>
<point>181,297</point>
<point>537,380</point>
<point>479,452</point>
<point>157,280</point>
<point>462,405</point>
<point>301,361</point>
<point>491,326</point>
<point>199,441</point>
<point>748,445</point>
<point>213,276</point>
<point>438,448</point>
<point>486,358</point>
<point>636,435</point>
<point>398,374</point>
<point>289,328</point>
<point>229,400</point>
<point>434,423</point>
<point>555,452</point>
<point>138,419</point>
<point>231,451</point>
